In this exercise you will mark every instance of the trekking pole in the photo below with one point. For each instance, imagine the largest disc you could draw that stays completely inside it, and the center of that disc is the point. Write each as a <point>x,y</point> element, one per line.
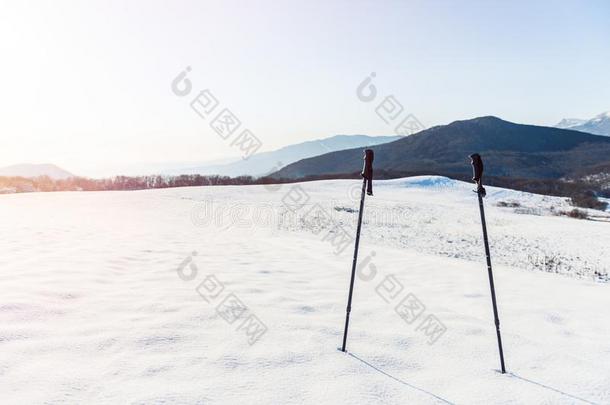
<point>477,167</point>
<point>367,184</point>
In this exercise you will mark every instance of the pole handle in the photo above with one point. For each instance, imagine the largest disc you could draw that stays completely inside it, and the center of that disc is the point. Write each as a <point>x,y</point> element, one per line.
<point>367,170</point>
<point>477,172</point>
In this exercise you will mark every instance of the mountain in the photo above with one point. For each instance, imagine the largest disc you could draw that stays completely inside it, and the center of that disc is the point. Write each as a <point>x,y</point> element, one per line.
<point>35,170</point>
<point>267,162</point>
<point>509,149</point>
<point>599,125</point>
<point>569,123</point>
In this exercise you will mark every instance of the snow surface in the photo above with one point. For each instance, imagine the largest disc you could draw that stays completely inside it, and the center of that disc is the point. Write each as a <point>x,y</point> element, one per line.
<point>93,309</point>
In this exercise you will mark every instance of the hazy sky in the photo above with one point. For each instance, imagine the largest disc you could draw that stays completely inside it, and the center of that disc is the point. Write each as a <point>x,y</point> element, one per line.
<point>86,84</point>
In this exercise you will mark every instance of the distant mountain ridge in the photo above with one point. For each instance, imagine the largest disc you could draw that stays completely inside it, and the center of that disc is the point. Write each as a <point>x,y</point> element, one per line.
<point>35,170</point>
<point>264,163</point>
<point>569,123</point>
<point>598,125</point>
<point>509,149</point>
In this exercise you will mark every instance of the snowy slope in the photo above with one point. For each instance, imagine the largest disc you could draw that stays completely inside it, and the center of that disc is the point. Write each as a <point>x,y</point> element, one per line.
<point>93,308</point>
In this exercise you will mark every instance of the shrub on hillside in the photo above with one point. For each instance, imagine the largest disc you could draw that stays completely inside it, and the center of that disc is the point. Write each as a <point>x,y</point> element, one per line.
<point>576,213</point>
<point>588,199</point>
<point>509,204</point>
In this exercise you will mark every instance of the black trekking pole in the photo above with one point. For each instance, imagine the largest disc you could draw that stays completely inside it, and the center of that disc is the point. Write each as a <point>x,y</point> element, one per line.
<point>367,184</point>
<point>477,167</point>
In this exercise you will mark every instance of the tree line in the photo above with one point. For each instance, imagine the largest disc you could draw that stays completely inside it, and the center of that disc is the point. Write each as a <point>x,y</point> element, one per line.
<point>583,193</point>
<point>45,183</point>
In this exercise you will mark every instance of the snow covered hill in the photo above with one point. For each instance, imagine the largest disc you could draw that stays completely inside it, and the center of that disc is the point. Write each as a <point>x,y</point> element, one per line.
<point>225,295</point>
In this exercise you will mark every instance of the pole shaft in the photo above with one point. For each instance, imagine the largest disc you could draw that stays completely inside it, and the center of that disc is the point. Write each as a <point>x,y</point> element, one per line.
<point>351,283</point>
<point>491,282</point>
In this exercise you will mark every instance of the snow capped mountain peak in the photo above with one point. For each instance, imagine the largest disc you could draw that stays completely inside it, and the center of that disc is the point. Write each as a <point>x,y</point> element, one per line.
<point>598,125</point>
<point>569,123</point>
<point>602,116</point>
